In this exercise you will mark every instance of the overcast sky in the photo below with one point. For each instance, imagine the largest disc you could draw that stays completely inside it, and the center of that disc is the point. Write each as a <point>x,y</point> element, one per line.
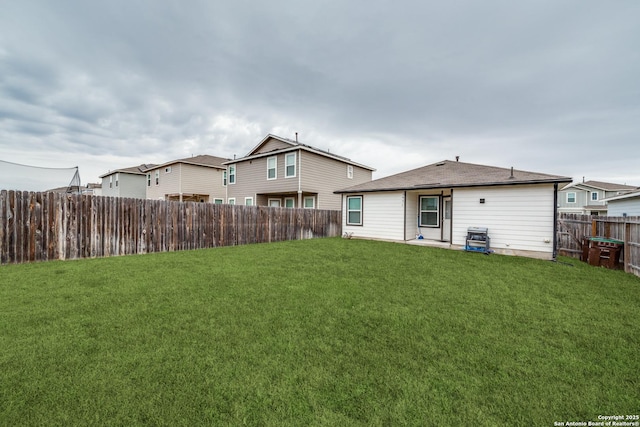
<point>546,86</point>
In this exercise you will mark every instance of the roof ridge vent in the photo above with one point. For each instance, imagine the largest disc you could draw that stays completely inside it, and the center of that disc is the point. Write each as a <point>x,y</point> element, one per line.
<point>440,164</point>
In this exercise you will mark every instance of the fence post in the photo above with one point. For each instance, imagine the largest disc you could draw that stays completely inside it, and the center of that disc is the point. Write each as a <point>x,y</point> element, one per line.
<point>594,228</point>
<point>627,247</point>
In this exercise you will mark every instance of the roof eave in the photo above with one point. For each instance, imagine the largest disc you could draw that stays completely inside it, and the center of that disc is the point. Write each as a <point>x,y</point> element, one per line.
<point>440,186</point>
<point>120,171</point>
<point>175,162</point>
<point>299,147</point>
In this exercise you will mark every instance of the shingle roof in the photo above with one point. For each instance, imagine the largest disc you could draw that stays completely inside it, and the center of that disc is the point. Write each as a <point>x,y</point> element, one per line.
<point>200,160</point>
<point>629,195</point>
<point>294,145</point>
<point>136,170</point>
<point>448,174</point>
<point>608,186</point>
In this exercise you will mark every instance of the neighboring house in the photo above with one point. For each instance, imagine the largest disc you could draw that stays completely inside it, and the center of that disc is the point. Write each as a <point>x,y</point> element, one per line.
<point>286,173</point>
<point>93,189</point>
<point>439,202</point>
<point>587,197</point>
<point>126,182</point>
<point>627,204</point>
<point>197,178</point>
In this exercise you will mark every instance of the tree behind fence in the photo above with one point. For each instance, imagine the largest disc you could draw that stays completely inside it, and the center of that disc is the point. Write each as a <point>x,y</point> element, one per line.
<point>48,226</point>
<point>573,228</point>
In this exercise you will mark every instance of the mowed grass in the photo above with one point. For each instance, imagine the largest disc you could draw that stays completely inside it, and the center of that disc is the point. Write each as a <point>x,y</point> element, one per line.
<point>317,332</point>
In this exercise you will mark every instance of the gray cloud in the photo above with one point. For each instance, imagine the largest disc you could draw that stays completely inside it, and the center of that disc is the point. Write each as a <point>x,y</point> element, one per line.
<point>540,85</point>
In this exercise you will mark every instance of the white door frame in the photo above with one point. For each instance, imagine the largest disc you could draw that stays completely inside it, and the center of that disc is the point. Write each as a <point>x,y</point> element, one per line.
<point>446,218</point>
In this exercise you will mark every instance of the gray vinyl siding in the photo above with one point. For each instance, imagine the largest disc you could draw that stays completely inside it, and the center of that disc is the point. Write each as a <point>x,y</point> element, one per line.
<point>583,198</point>
<point>630,207</point>
<point>129,185</point>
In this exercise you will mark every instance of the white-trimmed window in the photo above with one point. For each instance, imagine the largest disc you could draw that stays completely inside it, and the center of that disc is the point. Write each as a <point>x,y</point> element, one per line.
<point>232,174</point>
<point>274,203</point>
<point>571,197</point>
<point>309,202</point>
<point>218,201</point>
<point>148,180</point>
<point>289,202</point>
<point>594,196</point>
<point>349,172</point>
<point>290,165</point>
<point>248,201</point>
<point>354,210</point>
<point>111,181</point>
<point>157,177</point>
<point>429,211</point>
<point>224,178</point>
<point>232,201</point>
<point>167,169</point>
<point>272,167</point>
<point>117,178</point>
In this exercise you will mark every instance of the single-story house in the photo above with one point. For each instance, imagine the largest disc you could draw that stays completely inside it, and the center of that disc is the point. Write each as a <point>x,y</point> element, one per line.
<point>441,201</point>
<point>625,204</point>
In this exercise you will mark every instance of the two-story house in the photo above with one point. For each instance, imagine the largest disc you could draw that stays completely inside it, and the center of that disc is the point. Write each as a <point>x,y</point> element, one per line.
<point>198,178</point>
<point>126,182</point>
<point>586,197</point>
<point>286,173</point>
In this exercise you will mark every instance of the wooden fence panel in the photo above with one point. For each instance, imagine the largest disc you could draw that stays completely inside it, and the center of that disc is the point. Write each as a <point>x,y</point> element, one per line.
<point>573,228</point>
<point>49,226</point>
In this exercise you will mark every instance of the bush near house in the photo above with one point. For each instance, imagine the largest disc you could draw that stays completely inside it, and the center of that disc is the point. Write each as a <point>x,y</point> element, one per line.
<point>317,332</point>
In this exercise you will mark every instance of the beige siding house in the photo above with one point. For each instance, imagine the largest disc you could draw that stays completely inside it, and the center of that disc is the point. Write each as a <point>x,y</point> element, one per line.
<point>438,203</point>
<point>126,182</point>
<point>286,173</point>
<point>198,178</point>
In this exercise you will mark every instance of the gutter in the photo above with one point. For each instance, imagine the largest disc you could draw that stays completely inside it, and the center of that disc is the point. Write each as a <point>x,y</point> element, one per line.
<point>439,186</point>
<point>555,221</point>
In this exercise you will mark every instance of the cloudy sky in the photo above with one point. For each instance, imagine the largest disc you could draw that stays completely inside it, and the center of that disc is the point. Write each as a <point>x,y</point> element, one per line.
<point>542,85</point>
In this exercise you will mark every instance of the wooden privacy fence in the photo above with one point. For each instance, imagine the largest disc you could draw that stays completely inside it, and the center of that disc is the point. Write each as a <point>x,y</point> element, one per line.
<point>572,228</point>
<point>48,226</point>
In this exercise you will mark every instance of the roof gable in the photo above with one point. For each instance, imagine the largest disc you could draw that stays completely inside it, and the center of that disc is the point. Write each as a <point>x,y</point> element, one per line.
<point>135,170</point>
<point>601,185</point>
<point>447,174</point>
<point>271,143</point>
<point>204,160</point>
<point>289,146</point>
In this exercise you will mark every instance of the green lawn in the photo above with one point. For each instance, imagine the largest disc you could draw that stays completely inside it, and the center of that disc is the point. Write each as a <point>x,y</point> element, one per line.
<point>317,332</point>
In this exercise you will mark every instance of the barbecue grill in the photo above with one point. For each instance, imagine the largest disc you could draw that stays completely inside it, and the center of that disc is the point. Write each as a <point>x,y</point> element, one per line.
<point>478,240</point>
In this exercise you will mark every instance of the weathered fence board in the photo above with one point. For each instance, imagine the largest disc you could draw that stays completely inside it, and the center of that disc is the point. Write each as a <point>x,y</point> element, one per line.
<point>49,226</point>
<point>573,228</point>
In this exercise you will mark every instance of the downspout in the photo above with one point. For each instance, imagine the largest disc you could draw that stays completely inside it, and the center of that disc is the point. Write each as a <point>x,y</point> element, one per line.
<point>555,220</point>
<point>299,179</point>
<point>180,181</point>
<point>300,188</point>
<point>441,201</point>
<point>404,202</point>
<point>343,216</point>
<point>451,221</point>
